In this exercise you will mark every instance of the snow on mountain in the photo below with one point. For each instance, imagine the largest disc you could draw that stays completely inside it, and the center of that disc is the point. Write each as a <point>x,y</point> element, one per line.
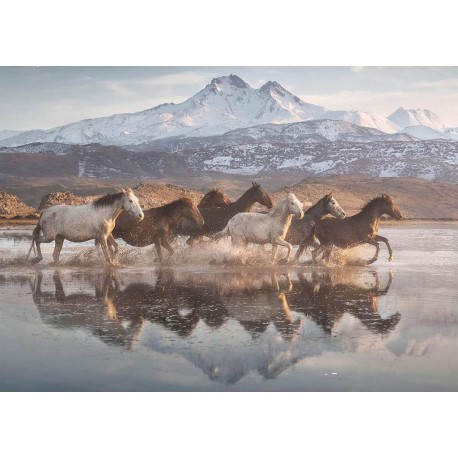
<point>224,104</point>
<point>4,134</point>
<point>365,119</point>
<point>424,133</point>
<point>452,133</point>
<point>417,117</point>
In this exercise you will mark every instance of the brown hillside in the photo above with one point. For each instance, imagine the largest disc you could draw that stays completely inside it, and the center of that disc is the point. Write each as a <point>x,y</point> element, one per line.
<point>11,205</point>
<point>417,198</point>
<point>62,197</point>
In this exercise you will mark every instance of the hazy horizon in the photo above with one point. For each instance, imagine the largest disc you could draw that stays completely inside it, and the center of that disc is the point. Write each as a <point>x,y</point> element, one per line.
<point>46,97</point>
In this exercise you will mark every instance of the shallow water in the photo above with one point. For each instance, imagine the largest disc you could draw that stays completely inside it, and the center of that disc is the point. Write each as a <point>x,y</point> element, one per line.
<point>196,325</point>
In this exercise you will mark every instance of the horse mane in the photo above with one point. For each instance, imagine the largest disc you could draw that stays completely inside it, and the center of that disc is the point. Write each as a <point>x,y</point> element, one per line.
<point>208,195</point>
<point>306,212</point>
<point>279,207</point>
<point>107,200</point>
<point>171,206</point>
<point>376,200</point>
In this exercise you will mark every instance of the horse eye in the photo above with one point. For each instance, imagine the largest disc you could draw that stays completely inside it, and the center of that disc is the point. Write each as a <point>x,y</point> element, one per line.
<point>131,201</point>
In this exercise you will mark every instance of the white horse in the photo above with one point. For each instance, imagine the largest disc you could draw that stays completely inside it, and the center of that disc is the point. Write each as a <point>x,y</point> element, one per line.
<point>262,228</point>
<point>80,223</point>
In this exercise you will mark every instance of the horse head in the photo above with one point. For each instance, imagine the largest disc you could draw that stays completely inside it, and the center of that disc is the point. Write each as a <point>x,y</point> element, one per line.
<point>390,207</point>
<point>260,195</point>
<point>333,207</point>
<point>191,212</point>
<point>294,205</point>
<point>214,198</point>
<point>131,205</point>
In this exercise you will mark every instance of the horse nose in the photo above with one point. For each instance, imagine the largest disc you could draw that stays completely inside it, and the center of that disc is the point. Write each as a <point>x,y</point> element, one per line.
<point>140,216</point>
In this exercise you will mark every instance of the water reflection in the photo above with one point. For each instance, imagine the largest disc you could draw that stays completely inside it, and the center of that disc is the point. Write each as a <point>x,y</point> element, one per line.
<point>325,299</point>
<point>287,317</point>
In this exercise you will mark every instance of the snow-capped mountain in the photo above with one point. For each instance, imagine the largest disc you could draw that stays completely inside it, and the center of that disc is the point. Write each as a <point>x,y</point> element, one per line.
<point>417,117</point>
<point>364,119</point>
<point>225,104</point>
<point>425,133</point>
<point>4,134</point>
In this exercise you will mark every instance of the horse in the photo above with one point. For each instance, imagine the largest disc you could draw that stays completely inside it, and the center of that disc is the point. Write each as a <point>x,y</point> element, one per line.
<point>357,229</point>
<point>213,198</point>
<point>156,226</point>
<point>300,231</point>
<point>262,228</point>
<point>217,218</point>
<point>80,223</point>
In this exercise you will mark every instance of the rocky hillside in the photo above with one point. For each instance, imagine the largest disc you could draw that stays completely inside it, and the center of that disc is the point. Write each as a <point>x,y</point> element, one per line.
<point>62,197</point>
<point>11,206</point>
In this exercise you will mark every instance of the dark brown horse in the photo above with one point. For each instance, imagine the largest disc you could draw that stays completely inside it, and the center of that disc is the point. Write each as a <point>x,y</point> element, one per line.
<point>157,225</point>
<point>357,229</point>
<point>301,230</point>
<point>217,218</point>
<point>214,198</point>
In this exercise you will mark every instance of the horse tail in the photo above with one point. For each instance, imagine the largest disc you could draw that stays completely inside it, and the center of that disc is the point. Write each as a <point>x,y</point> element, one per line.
<point>224,233</point>
<point>35,234</point>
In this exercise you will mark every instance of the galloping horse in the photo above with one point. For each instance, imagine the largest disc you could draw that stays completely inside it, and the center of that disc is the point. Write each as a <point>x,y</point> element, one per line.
<point>213,198</point>
<point>156,226</point>
<point>357,229</point>
<point>300,231</point>
<point>80,223</point>
<point>217,218</point>
<point>262,228</point>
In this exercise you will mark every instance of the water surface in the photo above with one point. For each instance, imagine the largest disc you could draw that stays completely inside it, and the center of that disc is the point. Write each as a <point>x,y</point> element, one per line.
<point>388,326</point>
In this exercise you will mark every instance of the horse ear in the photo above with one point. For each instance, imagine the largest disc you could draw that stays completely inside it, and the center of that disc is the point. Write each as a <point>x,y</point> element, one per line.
<point>123,191</point>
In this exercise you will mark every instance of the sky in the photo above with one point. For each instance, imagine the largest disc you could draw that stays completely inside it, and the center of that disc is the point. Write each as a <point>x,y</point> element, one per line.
<point>46,97</point>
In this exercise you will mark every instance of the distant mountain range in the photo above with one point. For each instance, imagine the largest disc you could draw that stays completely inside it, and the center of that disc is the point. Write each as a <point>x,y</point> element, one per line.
<point>228,104</point>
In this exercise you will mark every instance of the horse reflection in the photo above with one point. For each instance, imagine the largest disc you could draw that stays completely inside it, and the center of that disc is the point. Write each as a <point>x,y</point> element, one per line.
<point>325,301</point>
<point>94,312</point>
<point>257,302</point>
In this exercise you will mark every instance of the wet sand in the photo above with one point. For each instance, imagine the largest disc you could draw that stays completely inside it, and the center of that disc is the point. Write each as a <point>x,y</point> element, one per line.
<point>198,325</point>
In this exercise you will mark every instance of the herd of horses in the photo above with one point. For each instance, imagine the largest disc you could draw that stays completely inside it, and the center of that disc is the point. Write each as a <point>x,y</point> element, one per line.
<point>322,226</point>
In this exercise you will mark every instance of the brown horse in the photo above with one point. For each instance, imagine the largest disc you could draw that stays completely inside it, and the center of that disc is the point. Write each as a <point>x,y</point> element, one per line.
<point>357,229</point>
<point>157,225</point>
<point>217,218</point>
<point>300,231</point>
<point>214,198</point>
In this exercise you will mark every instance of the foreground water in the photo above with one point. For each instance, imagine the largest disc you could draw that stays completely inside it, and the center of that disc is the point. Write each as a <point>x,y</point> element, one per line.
<point>194,325</point>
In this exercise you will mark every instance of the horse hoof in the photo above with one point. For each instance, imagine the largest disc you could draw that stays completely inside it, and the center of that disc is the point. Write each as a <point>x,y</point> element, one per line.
<point>36,261</point>
<point>390,258</point>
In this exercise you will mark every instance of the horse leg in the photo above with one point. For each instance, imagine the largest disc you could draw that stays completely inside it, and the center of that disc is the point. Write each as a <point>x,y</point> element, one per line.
<point>299,251</point>
<point>165,243</point>
<point>159,249</point>
<point>279,241</point>
<point>316,252</point>
<point>327,254</point>
<point>59,243</point>
<point>373,243</point>
<point>274,251</point>
<point>40,239</point>
<point>379,238</point>
<point>105,249</point>
<point>113,246</point>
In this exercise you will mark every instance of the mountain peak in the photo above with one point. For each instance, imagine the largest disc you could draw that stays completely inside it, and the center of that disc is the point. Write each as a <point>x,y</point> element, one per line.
<point>231,80</point>
<point>417,117</point>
